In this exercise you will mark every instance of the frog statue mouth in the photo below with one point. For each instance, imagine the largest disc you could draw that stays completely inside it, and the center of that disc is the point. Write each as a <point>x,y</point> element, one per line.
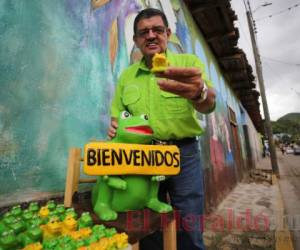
<point>145,130</point>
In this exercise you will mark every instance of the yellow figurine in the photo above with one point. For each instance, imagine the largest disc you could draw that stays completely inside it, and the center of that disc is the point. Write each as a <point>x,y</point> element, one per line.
<point>34,246</point>
<point>83,248</point>
<point>76,235</point>
<point>69,225</point>
<point>96,246</point>
<point>159,63</point>
<point>44,212</point>
<point>52,228</point>
<point>103,244</point>
<point>121,240</point>
<point>85,232</point>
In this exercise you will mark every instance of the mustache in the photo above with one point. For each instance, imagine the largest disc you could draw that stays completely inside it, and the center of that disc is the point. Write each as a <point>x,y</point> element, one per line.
<point>151,40</point>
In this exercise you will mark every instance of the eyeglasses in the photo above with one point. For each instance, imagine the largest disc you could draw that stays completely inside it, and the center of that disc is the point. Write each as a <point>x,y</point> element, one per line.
<point>158,30</point>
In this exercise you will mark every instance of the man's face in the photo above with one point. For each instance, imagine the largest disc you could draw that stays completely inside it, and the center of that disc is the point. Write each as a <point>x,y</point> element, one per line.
<point>151,36</point>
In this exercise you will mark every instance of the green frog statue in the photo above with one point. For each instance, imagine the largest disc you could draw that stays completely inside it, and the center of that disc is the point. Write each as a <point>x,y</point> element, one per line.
<point>112,194</point>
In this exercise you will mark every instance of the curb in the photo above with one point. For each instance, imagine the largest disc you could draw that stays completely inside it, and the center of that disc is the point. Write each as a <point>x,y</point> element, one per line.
<point>282,235</point>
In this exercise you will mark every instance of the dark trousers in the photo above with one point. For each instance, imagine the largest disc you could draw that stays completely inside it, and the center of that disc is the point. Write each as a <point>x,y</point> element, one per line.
<point>186,193</point>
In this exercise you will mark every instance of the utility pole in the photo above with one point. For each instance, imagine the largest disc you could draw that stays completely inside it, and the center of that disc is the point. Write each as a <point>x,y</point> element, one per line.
<point>260,79</point>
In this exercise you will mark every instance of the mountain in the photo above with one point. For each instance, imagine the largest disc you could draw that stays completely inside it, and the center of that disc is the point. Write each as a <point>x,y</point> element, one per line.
<point>288,124</point>
<point>290,116</point>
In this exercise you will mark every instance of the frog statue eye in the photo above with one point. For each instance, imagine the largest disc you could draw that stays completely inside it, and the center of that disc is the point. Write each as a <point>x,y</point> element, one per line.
<point>125,114</point>
<point>145,117</point>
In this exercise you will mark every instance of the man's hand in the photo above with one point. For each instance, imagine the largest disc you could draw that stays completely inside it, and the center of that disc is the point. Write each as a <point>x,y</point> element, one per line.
<point>112,130</point>
<point>185,82</point>
<point>188,83</point>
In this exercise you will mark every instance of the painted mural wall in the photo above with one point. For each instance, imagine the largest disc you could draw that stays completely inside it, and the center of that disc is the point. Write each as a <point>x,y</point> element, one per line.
<point>59,63</point>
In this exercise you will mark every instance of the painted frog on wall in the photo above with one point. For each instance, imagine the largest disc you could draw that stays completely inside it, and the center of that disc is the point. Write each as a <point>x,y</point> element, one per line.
<point>112,194</point>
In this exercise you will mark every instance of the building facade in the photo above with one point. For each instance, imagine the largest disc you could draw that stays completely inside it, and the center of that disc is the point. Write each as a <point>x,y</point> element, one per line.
<point>60,61</point>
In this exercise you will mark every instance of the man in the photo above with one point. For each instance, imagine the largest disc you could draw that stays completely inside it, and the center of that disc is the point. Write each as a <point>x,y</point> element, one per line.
<point>170,99</point>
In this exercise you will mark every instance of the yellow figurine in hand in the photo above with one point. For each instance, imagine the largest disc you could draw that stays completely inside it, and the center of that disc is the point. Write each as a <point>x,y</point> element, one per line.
<point>159,63</point>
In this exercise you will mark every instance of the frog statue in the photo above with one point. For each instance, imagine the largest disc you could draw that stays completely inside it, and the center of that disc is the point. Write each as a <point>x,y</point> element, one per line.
<point>112,194</point>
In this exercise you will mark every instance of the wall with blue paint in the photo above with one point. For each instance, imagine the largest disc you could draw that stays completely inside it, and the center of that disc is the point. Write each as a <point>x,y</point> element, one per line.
<point>59,62</point>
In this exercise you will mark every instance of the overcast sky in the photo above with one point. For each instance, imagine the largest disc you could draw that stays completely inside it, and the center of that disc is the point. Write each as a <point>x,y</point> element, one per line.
<point>278,41</point>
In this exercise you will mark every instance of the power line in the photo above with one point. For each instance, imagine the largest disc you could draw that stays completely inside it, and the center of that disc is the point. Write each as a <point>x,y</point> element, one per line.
<point>279,61</point>
<point>262,5</point>
<point>298,93</point>
<point>279,12</point>
<point>275,72</point>
<point>282,79</point>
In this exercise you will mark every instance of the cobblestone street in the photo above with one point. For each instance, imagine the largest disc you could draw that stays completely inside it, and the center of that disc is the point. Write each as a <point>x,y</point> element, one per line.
<point>245,219</point>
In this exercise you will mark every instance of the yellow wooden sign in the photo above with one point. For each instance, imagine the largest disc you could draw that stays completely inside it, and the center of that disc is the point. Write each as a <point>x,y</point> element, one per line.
<point>106,158</point>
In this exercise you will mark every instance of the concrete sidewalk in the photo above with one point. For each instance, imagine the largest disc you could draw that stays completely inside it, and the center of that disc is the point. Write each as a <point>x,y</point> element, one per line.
<point>250,217</point>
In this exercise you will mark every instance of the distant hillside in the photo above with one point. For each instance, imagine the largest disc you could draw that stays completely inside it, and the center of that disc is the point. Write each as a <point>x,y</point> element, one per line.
<point>288,124</point>
<point>290,116</point>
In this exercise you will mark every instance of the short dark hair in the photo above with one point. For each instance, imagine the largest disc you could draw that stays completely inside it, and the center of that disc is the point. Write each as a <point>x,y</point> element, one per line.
<point>147,13</point>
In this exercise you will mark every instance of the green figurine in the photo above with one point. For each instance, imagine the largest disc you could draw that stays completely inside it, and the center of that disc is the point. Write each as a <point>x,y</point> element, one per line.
<point>71,212</point>
<point>18,225</point>
<point>35,221</point>
<point>7,214</point>
<point>51,205</point>
<point>110,232</point>
<point>16,211</point>
<point>80,243</point>
<point>8,220</point>
<point>99,230</point>
<point>3,227</point>
<point>34,207</point>
<point>60,211</point>
<point>32,235</point>
<point>49,244</point>
<point>92,239</point>
<point>85,220</point>
<point>8,240</point>
<point>27,215</point>
<point>113,194</point>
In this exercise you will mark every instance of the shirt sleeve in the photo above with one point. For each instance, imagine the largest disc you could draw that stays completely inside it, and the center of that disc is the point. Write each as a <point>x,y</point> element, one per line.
<point>200,64</point>
<point>117,105</point>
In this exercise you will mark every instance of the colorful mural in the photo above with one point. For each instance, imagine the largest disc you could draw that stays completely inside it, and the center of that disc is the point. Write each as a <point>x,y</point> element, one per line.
<point>59,63</point>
